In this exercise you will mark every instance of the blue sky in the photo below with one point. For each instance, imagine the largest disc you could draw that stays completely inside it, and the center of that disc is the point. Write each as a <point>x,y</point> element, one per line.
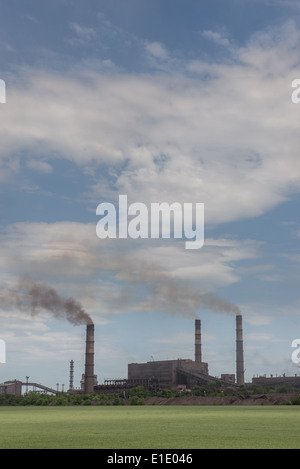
<point>165,101</point>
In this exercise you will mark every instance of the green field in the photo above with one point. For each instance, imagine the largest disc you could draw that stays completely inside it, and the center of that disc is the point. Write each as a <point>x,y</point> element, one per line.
<point>150,427</point>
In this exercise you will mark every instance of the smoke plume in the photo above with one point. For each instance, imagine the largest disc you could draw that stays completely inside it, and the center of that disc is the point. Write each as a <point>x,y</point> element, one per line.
<point>47,298</point>
<point>151,287</point>
<point>35,296</point>
<point>140,286</point>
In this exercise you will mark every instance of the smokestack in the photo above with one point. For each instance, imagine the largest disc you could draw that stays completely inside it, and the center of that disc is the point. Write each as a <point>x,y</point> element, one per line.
<point>89,360</point>
<point>198,355</point>
<point>239,351</point>
<point>71,386</point>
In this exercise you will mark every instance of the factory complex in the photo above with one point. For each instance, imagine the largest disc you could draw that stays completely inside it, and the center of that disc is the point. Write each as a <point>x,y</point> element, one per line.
<point>178,374</point>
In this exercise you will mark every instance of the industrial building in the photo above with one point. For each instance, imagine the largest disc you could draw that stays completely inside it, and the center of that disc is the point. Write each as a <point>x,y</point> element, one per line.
<point>154,374</point>
<point>163,374</point>
<point>172,373</point>
<point>277,381</point>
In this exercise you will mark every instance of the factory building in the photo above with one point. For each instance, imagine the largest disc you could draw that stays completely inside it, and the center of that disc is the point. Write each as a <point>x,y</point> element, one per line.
<point>11,387</point>
<point>187,372</point>
<point>169,373</point>
<point>277,381</point>
<point>163,374</point>
<point>154,374</point>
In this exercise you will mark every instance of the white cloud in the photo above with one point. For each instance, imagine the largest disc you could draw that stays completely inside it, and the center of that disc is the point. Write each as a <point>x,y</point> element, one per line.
<point>84,34</point>
<point>283,3</point>
<point>230,141</point>
<point>39,166</point>
<point>157,49</point>
<point>219,37</point>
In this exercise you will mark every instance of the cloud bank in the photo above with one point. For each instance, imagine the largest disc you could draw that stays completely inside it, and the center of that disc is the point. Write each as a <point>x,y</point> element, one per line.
<point>225,134</point>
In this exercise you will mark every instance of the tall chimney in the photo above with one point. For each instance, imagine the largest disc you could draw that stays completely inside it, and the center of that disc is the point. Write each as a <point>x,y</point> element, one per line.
<point>198,355</point>
<point>89,360</point>
<point>239,351</point>
<point>71,385</point>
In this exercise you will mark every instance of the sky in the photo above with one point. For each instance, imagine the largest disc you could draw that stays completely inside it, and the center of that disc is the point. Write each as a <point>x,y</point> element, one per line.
<point>172,101</point>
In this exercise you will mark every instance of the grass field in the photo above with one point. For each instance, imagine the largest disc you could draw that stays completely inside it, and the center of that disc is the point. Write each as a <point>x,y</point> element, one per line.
<point>150,427</point>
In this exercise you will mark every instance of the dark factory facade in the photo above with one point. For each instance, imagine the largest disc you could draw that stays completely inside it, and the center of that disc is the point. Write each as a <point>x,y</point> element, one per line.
<point>171,373</point>
<point>168,373</point>
<point>187,372</point>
